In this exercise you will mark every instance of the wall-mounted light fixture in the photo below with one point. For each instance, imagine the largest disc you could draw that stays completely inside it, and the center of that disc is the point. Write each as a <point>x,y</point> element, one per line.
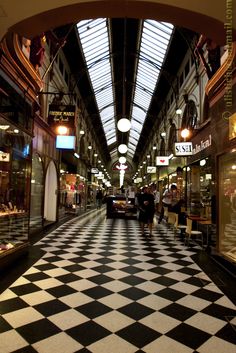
<point>178,111</point>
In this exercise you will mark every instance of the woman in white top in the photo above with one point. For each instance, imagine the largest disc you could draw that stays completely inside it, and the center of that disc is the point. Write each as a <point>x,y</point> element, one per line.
<point>168,200</point>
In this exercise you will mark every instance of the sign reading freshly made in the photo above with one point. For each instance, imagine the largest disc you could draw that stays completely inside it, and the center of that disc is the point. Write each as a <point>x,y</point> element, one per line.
<point>204,143</point>
<point>151,169</point>
<point>162,161</point>
<point>58,114</point>
<point>183,148</point>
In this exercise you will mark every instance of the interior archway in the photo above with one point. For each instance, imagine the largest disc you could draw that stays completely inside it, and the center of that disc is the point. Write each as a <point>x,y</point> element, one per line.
<point>207,17</point>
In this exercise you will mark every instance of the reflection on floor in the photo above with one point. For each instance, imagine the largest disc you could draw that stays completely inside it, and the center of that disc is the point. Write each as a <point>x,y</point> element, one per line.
<point>101,287</point>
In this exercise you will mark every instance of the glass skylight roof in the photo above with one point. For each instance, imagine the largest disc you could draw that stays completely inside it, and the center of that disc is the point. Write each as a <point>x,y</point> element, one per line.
<point>153,45</point>
<point>95,44</point>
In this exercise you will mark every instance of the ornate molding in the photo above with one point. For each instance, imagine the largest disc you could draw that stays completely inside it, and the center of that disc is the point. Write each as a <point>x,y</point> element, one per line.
<point>217,82</point>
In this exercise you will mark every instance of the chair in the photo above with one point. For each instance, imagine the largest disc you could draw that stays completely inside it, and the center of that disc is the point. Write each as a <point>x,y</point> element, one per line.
<point>166,212</point>
<point>178,226</point>
<point>171,219</point>
<point>189,232</point>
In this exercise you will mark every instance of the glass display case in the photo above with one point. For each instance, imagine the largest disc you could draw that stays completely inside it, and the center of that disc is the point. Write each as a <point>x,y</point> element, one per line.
<point>15,164</point>
<point>227,205</point>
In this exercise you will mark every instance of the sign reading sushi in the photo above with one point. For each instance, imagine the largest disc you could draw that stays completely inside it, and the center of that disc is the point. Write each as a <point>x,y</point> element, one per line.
<point>183,149</point>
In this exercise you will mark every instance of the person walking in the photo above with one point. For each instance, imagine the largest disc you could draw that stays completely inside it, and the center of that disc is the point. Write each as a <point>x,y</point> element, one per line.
<point>99,197</point>
<point>146,210</point>
<point>169,199</point>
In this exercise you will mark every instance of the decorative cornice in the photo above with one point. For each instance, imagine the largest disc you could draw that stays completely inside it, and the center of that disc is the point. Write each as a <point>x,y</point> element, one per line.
<point>216,83</point>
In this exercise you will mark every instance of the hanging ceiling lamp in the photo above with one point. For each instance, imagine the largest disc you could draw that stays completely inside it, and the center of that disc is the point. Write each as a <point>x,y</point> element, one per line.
<point>122,160</point>
<point>122,148</point>
<point>124,125</point>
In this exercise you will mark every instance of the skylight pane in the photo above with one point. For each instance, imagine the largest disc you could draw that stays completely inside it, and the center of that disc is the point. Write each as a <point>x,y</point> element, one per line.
<point>94,40</point>
<point>153,45</point>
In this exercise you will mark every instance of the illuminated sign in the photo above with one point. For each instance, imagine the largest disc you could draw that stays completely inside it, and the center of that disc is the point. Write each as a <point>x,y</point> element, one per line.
<point>65,142</point>
<point>198,147</point>
<point>162,161</point>
<point>61,114</point>
<point>94,170</point>
<point>138,180</point>
<point>183,148</point>
<point>4,157</point>
<point>151,170</point>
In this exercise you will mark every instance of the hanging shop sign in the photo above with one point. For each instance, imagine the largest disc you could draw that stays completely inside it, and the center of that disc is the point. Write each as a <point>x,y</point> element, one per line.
<point>183,148</point>
<point>162,161</point>
<point>151,169</point>
<point>61,114</point>
<point>94,170</point>
<point>138,180</point>
<point>4,157</point>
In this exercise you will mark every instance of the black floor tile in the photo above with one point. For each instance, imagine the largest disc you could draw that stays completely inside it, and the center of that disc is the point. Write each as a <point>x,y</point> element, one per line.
<point>88,333</point>
<point>97,292</point>
<point>100,279</point>
<point>171,294</point>
<point>68,278</point>
<point>136,311</point>
<point>4,326</point>
<point>132,280</point>
<point>138,334</point>
<point>207,295</point>
<point>227,333</point>
<point>10,305</point>
<point>93,309</point>
<point>188,335</point>
<point>25,289</point>
<point>61,291</point>
<point>37,331</point>
<point>134,293</point>
<point>51,307</point>
<point>165,281</point>
<point>178,311</point>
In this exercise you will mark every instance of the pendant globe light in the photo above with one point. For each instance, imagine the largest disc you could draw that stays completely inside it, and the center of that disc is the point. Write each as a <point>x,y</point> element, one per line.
<point>124,125</point>
<point>122,148</point>
<point>122,160</point>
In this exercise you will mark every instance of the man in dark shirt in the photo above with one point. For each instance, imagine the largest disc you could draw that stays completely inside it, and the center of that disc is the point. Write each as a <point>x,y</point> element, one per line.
<point>146,209</point>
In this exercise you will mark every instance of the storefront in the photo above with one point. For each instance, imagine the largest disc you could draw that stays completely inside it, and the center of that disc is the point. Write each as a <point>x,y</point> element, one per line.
<point>199,176</point>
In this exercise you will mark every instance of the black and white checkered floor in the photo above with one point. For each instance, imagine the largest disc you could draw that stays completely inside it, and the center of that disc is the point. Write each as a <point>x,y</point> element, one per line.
<point>101,287</point>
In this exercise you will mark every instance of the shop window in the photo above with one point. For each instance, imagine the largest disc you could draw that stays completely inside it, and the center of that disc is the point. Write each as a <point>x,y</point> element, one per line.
<point>36,193</point>
<point>199,188</point>
<point>14,185</point>
<point>227,205</point>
